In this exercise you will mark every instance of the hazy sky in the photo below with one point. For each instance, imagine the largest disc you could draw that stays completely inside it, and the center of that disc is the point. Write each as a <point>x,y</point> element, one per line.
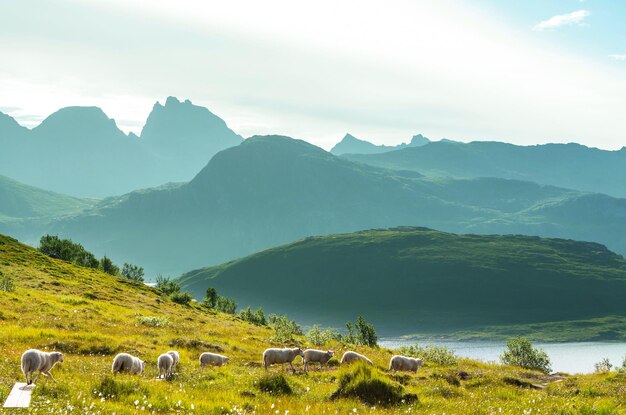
<point>526,72</point>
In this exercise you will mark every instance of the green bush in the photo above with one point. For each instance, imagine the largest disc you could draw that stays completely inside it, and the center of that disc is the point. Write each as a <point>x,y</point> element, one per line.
<point>364,383</point>
<point>114,389</point>
<point>166,285</point>
<point>319,337</point>
<point>603,365</point>
<point>361,332</point>
<point>440,355</point>
<point>284,329</point>
<point>132,272</point>
<point>275,384</point>
<point>6,283</point>
<point>210,298</point>
<point>255,317</point>
<point>520,352</point>
<point>106,265</point>
<point>226,305</point>
<point>67,250</point>
<point>181,297</point>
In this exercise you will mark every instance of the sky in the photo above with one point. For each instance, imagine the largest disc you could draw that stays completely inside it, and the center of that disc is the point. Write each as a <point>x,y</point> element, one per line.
<point>526,72</point>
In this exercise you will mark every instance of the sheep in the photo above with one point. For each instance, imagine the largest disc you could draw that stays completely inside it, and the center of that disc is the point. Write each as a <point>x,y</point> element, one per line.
<point>123,362</point>
<point>35,360</point>
<point>312,355</point>
<point>212,359</point>
<point>350,356</point>
<point>165,364</point>
<point>409,364</point>
<point>176,356</point>
<point>275,355</point>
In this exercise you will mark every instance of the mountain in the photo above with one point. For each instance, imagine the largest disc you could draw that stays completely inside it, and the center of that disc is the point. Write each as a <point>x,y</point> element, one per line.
<point>418,279</point>
<point>81,152</point>
<point>271,190</point>
<point>572,166</point>
<point>184,137</point>
<point>352,145</point>
<point>91,316</point>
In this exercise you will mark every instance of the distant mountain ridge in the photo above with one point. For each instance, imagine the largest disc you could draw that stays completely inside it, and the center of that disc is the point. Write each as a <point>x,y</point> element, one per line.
<point>418,279</point>
<point>350,144</point>
<point>571,166</point>
<point>271,190</point>
<point>80,151</point>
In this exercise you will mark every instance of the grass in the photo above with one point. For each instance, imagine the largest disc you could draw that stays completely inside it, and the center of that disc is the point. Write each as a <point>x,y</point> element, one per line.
<point>92,316</point>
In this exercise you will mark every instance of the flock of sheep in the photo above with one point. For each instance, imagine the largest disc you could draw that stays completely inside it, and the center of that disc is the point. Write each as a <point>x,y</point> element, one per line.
<point>38,361</point>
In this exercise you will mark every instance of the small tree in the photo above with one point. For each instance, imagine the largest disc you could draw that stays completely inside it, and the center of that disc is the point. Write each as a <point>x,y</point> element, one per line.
<point>603,365</point>
<point>166,285</point>
<point>108,266</point>
<point>361,332</point>
<point>226,305</point>
<point>520,352</point>
<point>181,297</point>
<point>319,337</point>
<point>284,329</point>
<point>132,272</point>
<point>210,298</point>
<point>255,317</point>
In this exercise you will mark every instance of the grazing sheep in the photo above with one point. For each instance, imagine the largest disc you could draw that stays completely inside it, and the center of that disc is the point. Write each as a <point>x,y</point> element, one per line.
<point>405,363</point>
<point>212,359</point>
<point>350,356</point>
<point>35,360</point>
<point>312,355</point>
<point>124,362</point>
<point>165,364</point>
<point>176,358</point>
<point>274,355</point>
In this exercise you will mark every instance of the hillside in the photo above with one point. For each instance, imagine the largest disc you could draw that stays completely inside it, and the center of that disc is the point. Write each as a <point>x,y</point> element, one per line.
<point>272,190</point>
<point>572,166</point>
<point>349,144</point>
<point>80,151</point>
<point>91,316</point>
<point>423,280</point>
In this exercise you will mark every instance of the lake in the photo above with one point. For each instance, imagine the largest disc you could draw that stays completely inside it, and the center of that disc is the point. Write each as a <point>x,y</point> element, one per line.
<point>565,357</point>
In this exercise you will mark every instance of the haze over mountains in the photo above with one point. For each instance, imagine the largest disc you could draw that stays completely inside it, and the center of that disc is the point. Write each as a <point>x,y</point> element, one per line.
<point>79,151</point>
<point>352,145</point>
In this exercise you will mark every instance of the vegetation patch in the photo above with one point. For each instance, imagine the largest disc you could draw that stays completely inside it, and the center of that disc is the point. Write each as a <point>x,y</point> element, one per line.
<point>440,355</point>
<point>364,383</point>
<point>195,344</point>
<point>275,384</point>
<point>153,321</point>
<point>115,389</point>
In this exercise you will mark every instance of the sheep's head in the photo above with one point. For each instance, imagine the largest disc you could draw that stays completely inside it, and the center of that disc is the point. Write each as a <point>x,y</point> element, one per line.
<point>420,362</point>
<point>226,360</point>
<point>57,356</point>
<point>331,353</point>
<point>299,351</point>
<point>143,365</point>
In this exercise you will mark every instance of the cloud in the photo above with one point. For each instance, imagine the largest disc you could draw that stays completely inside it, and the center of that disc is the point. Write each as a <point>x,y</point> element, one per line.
<point>554,22</point>
<point>618,57</point>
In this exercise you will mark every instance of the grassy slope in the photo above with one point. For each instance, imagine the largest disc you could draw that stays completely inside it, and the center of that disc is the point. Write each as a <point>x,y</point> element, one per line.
<point>92,316</point>
<point>409,279</point>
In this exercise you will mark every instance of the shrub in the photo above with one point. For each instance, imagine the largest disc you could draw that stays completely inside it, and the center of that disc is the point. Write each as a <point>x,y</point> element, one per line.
<point>153,321</point>
<point>67,250</point>
<point>440,355</point>
<point>362,382</point>
<point>6,283</point>
<point>276,384</point>
<point>166,285</point>
<point>183,297</point>
<point>106,265</point>
<point>520,352</point>
<point>284,329</point>
<point>132,272</point>
<point>603,365</point>
<point>114,389</point>
<point>319,337</point>
<point>226,305</point>
<point>210,298</point>
<point>255,317</point>
<point>361,332</point>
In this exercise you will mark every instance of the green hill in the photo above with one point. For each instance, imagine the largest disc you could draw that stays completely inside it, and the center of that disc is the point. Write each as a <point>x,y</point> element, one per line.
<point>272,190</point>
<point>416,279</point>
<point>572,166</point>
<point>91,316</point>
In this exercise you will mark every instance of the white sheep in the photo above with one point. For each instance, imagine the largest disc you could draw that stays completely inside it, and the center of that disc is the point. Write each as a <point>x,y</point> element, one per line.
<point>350,356</point>
<point>35,360</point>
<point>212,359</point>
<point>275,355</point>
<point>313,355</point>
<point>124,362</point>
<point>176,356</point>
<point>165,364</point>
<point>405,363</point>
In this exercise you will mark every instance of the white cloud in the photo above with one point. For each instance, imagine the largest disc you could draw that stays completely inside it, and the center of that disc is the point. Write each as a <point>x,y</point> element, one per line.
<point>554,22</point>
<point>618,57</point>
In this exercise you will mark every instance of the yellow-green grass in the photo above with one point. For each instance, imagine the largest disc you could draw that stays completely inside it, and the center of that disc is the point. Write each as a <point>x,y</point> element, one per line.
<point>91,316</point>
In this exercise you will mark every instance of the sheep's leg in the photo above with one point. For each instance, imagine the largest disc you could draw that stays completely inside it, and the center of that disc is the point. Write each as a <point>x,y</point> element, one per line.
<point>292,368</point>
<point>50,376</point>
<point>33,380</point>
<point>320,366</point>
